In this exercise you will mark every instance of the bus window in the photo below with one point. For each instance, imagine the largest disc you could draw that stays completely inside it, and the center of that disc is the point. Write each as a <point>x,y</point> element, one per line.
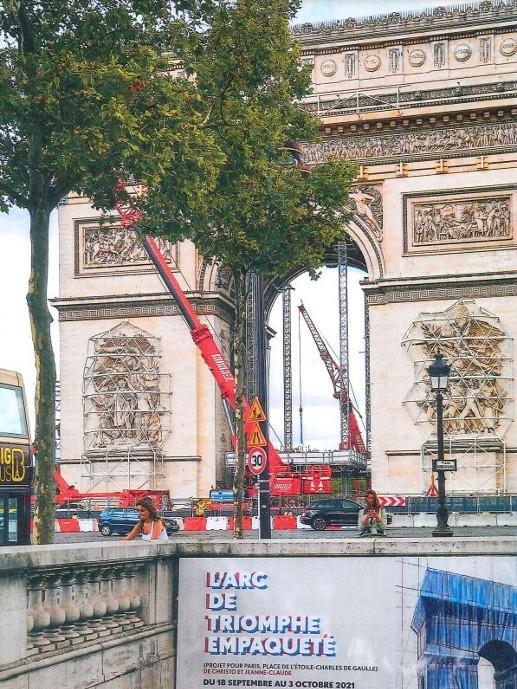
<point>12,412</point>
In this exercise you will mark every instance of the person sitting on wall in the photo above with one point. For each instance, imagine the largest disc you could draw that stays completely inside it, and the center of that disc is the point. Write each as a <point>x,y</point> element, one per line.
<point>372,518</point>
<point>150,526</point>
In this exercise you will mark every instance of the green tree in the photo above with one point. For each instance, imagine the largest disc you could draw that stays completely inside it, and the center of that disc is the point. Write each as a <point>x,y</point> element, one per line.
<point>87,93</point>
<point>264,215</point>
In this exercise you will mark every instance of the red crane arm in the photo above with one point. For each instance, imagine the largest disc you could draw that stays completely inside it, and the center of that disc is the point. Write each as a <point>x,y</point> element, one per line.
<point>333,369</point>
<point>205,342</point>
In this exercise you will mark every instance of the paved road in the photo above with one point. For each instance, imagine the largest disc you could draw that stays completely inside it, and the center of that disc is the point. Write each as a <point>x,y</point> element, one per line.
<point>301,534</point>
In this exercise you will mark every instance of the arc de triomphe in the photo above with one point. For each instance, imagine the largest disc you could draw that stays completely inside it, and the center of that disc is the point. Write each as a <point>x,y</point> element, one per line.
<point>426,103</point>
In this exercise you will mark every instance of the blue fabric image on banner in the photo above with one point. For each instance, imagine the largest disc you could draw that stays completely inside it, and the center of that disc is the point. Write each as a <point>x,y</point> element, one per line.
<point>458,620</point>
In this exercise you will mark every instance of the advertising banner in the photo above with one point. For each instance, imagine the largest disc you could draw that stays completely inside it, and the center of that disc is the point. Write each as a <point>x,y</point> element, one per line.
<point>348,623</point>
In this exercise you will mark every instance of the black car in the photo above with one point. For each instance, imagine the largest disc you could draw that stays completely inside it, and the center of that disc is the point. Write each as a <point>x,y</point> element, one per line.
<point>121,520</point>
<point>332,512</point>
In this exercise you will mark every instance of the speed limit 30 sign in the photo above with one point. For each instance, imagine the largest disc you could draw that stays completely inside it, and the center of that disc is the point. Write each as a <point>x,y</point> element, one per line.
<point>257,460</point>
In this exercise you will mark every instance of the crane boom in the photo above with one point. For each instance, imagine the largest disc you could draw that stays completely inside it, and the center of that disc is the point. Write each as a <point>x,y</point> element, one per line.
<point>333,369</point>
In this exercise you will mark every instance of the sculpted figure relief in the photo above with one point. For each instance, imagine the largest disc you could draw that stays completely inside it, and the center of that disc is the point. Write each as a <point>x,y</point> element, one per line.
<point>462,221</point>
<point>475,346</point>
<point>367,203</point>
<point>122,390</point>
<point>116,246</point>
<point>359,147</point>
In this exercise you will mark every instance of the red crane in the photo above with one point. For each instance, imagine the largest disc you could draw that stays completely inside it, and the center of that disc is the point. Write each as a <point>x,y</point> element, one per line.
<point>283,479</point>
<point>355,437</point>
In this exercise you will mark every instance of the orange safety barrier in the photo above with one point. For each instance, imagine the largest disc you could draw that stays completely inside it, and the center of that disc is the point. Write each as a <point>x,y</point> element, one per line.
<point>284,522</point>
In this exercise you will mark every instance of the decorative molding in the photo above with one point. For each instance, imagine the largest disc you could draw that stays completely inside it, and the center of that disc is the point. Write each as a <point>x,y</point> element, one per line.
<point>109,249</point>
<point>411,144</point>
<point>148,309</point>
<point>395,60</point>
<point>440,55</point>
<point>458,220</point>
<point>350,61</point>
<point>379,295</point>
<point>433,19</point>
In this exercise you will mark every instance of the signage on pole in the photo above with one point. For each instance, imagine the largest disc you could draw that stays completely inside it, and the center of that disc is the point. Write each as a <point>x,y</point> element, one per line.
<point>445,465</point>
<point>256,437</point>
<point>257,460</point>
<point>255,412</point>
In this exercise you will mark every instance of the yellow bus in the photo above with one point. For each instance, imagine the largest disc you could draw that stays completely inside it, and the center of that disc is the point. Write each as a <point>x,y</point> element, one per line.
<point>15,461</point>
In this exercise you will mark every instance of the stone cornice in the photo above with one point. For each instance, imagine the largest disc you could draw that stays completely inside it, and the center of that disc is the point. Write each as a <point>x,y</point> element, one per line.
<point>144,306</point>
<point>474,286</point>
<point>482,15</point>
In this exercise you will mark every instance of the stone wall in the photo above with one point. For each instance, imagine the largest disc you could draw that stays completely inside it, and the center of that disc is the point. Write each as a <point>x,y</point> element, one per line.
<point>104,616</point>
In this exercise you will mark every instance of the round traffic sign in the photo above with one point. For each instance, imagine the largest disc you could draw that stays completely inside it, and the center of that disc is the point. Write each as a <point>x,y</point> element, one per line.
<point>257,460</point>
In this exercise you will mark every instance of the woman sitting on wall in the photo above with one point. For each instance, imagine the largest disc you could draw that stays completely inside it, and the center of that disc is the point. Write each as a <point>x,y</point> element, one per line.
<point>150,526</point>
<point>372,518</point>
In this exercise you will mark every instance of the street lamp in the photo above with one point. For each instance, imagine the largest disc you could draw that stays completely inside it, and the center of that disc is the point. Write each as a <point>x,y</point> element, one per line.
<point>439,375</point>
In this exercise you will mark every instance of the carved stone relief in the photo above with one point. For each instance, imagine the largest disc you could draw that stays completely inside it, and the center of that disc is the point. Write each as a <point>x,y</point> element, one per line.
<point>475,345</point>
<point>394,60</point>
<point>412,143</point>
<point>457,221</point>
<point>366,203</point>
<point>328,67</point>
<point>111,248</point>
<point>372,63</point>
<point>463,52</point>
<point>350,65</point>
<point>123,396</point>
<point>417,57</point>
<point>508,47</point>
<point>440,52</point>
<point>485,49</point>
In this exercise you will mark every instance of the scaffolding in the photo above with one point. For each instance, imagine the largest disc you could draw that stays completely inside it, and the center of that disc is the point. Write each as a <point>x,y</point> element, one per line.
<point>126,410</point>
<point>287,367</point>
<point>344,373</point>
<point>478,400</point>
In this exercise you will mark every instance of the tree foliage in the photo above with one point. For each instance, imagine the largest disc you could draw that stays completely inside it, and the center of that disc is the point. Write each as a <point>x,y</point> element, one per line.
<point>88,94</point>
<point>264,215</point>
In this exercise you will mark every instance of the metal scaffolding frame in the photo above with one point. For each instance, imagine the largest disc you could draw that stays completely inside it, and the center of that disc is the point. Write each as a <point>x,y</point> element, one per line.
<point>344,373</point>
<point>287,367</point>
<point>126,409</point>
<point>478,400</point>
<point>250,335</point>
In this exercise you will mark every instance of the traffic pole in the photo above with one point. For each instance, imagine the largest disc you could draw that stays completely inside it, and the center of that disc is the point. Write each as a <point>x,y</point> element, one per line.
<point>264,490</point>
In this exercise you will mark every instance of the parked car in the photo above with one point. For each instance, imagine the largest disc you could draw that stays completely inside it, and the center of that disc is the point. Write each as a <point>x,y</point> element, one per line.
<point>120,520</point>
<point>337,512</point>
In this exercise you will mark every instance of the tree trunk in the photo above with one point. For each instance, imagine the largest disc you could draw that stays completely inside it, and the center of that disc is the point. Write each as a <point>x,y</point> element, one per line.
<point>40,320</point>
<point>240,446</point>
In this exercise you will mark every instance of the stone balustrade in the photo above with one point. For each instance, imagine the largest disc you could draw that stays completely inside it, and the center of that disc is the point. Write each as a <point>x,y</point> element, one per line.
<point>68,606</point>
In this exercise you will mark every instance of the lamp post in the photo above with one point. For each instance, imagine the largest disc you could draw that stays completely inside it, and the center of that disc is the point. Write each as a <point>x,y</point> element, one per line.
<point>439,375</point>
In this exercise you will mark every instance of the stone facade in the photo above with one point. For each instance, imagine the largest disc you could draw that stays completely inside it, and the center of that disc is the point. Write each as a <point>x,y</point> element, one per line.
<point>425,103</point>
<point>109,291</point>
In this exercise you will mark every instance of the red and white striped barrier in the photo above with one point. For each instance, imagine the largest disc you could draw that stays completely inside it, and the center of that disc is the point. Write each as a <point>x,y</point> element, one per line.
<point>74,525</point>
<point>392,500</point>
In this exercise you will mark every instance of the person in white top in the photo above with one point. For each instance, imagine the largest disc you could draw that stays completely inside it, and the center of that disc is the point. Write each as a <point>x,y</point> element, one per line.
<point>151,526</point>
